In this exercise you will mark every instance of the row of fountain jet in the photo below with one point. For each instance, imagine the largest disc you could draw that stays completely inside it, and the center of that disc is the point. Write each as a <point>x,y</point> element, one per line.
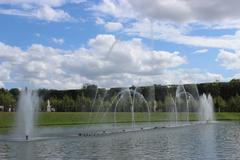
<point>186,100</point>
<point>127,100</point>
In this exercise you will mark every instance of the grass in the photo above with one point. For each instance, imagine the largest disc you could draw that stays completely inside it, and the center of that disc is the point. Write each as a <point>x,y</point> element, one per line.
<point>73,118</point>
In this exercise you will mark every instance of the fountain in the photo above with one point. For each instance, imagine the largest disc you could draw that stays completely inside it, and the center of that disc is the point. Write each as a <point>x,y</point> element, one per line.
<point>130,96</point>
<point>129,101</point>
<point>187,100</point>
<point>206,108</point>
<point>27,105</point>
<point>106,115</point>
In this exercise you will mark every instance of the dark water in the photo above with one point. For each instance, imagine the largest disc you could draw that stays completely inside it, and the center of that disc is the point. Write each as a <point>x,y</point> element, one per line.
<point>219,140</point>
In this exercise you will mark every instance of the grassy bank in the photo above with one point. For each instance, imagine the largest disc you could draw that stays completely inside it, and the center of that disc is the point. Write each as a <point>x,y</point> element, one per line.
<point>72,118</point>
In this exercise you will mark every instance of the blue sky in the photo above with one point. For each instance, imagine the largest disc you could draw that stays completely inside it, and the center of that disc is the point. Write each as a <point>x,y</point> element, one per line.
<point>64,44</point>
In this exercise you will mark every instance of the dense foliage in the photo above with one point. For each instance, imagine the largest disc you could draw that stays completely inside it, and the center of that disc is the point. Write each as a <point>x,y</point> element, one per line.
<point>226,96</point>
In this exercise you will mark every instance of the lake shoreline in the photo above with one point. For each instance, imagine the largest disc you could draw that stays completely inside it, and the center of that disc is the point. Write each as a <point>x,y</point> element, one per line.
<point>7,120</point>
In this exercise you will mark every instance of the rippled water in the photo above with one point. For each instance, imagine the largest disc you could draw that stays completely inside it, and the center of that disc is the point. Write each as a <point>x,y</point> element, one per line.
<point>219,140</point>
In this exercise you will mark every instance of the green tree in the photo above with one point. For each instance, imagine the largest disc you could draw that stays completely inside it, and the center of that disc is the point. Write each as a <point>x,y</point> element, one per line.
<point>7,100</point>
<point>56,103</point>
<point>168,104</point>
<point>68,103</point>
<point>15,92</point>
<point>220,104</point>
<point>159,106</point>
<point>234,104</point>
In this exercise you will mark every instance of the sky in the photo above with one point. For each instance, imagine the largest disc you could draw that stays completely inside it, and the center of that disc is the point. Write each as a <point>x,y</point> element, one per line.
<point>64,44</point>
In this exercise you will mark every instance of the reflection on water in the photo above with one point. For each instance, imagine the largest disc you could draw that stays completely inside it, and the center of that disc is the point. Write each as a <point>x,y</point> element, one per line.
<point>206,141</point>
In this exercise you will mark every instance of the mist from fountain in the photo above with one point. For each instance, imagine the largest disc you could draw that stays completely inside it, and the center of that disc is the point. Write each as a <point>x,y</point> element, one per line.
<point>27,105</point>
<point>206,108</point>
<point>173,109</point>
<point>127,100</point>
<point>107,110</point>
<point>187,100</point>
<point>182,100</point>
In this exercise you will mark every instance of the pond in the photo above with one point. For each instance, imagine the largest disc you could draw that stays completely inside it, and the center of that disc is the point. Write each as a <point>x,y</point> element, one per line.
<point>218,140</point>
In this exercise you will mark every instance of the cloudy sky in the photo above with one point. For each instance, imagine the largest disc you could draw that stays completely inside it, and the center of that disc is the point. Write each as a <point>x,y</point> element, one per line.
<point>64,44</point>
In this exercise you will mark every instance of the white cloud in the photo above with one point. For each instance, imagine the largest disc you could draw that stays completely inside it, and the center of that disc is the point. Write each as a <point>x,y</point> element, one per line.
<point>113,26</point>
<point>5,73</point>
<point>102,63</point>
<point>183,11</point>
<point>200,51</point>
<point>171,33</point>
<point>235,76</point>
<point>58,40</point>
<point>109,26</point>
<point>42,10</point>
<point>44,13</point>
<point>48,13</point>
<point>166,77</point>
<point>174,10</point>
<point>203,11</point>
<point>119,9</point>
<point>55,68</point>
<point>9,53</point>
<point>126,57</point>
<point>2,85</point>
<point>173,20</point>
<point>229,60</point>
<point>187,76</point>
<point>78,1</point>
<point>54,3</point>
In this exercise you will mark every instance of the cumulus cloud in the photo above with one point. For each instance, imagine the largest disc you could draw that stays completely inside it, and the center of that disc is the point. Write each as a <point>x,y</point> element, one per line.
<point>54,3</point>
<point>9,53</point>
<point>118,9</point>
<point>48,13</point>
<point>5,72</point>
<point>173,20</point>
<point>109,26</point>
<point>42,10</point>
<point>177,34</point>
<point>105,61</point>
<point>229,60</point>
<point>126,57</point>
<point>235,76</point>
<point>181,11</point>
<point>51,67</point>
<point>174,10</point>
<point>166,77</point>
<point>113,26</point>
<point>178,76</point>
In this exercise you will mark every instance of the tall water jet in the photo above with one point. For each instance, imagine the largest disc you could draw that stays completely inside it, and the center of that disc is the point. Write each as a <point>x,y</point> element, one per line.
<point>27,105</point>
<point>187,100</point>
<point>182,100</point>
<point>173,107</point>
<point>206,108</point>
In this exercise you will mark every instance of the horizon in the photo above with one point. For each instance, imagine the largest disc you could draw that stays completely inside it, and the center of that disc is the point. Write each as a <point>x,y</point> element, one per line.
<point>65,44</point>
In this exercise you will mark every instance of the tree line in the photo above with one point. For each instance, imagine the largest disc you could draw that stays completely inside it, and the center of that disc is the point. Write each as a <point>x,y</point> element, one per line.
<point>226,97</point>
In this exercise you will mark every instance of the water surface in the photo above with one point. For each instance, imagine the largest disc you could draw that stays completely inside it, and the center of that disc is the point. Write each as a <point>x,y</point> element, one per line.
<point>220,140</point>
